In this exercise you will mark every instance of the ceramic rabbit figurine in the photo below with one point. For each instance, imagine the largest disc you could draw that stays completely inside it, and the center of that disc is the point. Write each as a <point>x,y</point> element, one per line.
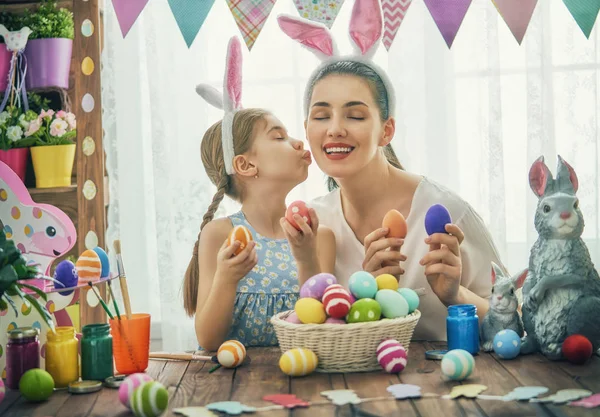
<point>561,295</point>
<point>504,303</point>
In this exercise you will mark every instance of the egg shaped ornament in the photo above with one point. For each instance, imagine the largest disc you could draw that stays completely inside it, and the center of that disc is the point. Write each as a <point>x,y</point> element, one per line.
<point>89,266</point>
<point>577,349</point>
<point>333,320</point>
<point>150,399</point>
<point>231,354</point>
<point>393,305</point>
<point>436,219</point>
<point>242,234</point>
<point>298,362</point>
<point>392,356</point>
<point>387,281</point>
<point>337,301</point>
<point>507,344</point>
<point>458,364</point>
<point>36,385</point>
<point>362,285</point>
<point>129,384</point>
<point>315,286</point>
<point>365,309</point>
<point>104,261</point>
<point>411,297</point>
<point>395,222</point>
<point>66,274</point>
<point>310,311</point>
<point>293,318</point>
<point>299,208</point>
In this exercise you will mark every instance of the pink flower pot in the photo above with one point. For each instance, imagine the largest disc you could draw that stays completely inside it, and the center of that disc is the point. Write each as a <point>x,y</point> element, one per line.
<point>16,159</point>
<point>5,57</point>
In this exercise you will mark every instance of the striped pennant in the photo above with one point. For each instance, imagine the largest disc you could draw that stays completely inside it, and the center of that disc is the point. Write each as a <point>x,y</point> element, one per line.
<point>584,12</point>
<point>250,16</point>
<point>393,15</point>
<point>516,14</point>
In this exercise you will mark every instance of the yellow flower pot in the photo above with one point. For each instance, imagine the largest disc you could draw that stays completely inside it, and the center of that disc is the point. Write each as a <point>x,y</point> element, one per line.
<point>53,165</point>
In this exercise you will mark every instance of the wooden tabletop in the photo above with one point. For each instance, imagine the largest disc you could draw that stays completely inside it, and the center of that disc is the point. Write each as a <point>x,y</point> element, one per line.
<point>190,384</point>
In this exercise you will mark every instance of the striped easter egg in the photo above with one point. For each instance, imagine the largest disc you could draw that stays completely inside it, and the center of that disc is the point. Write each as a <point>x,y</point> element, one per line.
<point>2,390</point>
<point>336,301</point>
<point>89,266</point>
<point>149,399</point>
<point>458,364</point>
<point>240,233</point>
<point>231,354</point>
<point>298,362</point>
<point>129,384</point>
<point>392,356</point>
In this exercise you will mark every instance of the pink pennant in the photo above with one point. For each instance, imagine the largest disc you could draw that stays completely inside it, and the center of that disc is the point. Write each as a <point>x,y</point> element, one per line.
<point>250,16</point>
<point>448,16</point>
<point>127,12</point>
<point>516,14</point>
<point>393,15</point>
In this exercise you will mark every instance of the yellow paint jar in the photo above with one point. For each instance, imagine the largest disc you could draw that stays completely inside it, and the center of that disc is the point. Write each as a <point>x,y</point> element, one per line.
<point>62,356</point>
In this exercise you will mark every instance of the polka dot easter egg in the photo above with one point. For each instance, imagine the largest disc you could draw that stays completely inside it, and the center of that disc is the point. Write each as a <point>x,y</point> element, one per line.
<point>436,219</point>
<point>336,301</point>
<point>507,344</point>
<point>458,364</point>
<point>242,234</point>
<point>392,356</point>
<point>310,310</point>
<point>103,260</point>
<point>298,362</point>
<point>89,266</point>
<point>362,285</point>
<point>396,223</point>
<point>149,399</point>
<point>365,309</point>
<point>392,304</point>
<point>129,385</point>
<point>316,285</point>
<point>66,274</point>
<point>411,297</point>
<point>299,208</point>
<point>387,282</point>
<point>231,354</point>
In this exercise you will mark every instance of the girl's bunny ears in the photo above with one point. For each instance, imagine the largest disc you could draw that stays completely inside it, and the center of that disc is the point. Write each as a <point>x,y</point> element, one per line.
<point>230,100</point>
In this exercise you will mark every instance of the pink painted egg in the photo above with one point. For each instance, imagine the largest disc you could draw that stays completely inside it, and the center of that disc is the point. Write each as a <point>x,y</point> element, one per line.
<point>337,301</point>
<point>299,208</point>
<point>315,286</point>
<point>293,318</point>
<point>129,385</point>
<point>392,356</point>
<point>333,320</point>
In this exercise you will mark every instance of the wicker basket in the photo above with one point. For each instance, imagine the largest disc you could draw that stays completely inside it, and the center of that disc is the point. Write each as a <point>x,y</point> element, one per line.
<point>344,347</point>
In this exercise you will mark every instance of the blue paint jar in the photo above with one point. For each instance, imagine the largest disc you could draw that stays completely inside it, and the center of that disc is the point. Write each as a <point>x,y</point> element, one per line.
<point>462,328</point>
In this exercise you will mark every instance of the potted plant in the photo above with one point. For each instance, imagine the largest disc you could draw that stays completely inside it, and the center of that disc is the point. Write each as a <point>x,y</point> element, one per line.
<point>50,46</point>
<point>15,138</point>
<point>11,22</point>
<point>53,152</point>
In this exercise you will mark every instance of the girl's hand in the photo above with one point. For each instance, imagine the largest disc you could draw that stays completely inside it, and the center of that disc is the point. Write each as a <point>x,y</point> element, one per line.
<point>382,255</point>
<point>232,268</point>
<point>443,265</point>
<point>303,243</point>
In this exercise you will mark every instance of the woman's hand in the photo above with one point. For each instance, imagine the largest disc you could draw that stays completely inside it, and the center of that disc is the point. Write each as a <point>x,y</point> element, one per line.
<point>382,255</point>
<point>232,268</point>
<point>303,242</point>
<point>443,265</point>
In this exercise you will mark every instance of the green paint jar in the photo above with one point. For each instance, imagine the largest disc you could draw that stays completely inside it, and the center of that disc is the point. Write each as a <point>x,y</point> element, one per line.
<point>96,352</point>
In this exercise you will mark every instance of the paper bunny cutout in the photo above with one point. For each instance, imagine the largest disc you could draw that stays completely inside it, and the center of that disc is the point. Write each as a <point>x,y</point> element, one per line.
<point>366,30</point>
<point>230,100</point>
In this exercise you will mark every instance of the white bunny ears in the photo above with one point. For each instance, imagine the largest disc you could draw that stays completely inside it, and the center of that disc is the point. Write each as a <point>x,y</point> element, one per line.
<point>230,100</point>
<point>366,29</point>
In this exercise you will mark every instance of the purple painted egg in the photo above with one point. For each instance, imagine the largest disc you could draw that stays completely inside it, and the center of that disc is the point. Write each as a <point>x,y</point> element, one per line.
<point>315,286</point>
<point>436,219</point>
<point>66,274</point>
<point>293,318</point>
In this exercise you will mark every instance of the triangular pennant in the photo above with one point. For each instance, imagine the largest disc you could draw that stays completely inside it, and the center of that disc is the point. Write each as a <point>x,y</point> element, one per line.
<point>190,16</point>
<point>250,16</point>
<point>393,15</point>
<point>516,14</point>
<point>448,16</point>
<point>584,12</point>
<point>127,12</point>
<point>322,11</point>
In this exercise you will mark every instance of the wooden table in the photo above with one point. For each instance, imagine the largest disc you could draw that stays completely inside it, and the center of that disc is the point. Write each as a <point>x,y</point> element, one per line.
<point>190,384</point>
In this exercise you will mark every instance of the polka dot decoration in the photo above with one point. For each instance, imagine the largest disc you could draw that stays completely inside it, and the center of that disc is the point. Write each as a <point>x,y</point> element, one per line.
<point>51,307</point>
<point>89,146</point>
<point>26,309</point>
<point>15,213</point>
<point>89,190</point>
<point>37,213</point>
<point>28,230</point>
<point>8,231</point>
<point>87,28</point>
<point>87,65</point>
<point>37,325</point>
<point>91,240</point>
<point>91,299</point>
<point>11,326</point>
<point>87,103</point>
<point>3,194</point>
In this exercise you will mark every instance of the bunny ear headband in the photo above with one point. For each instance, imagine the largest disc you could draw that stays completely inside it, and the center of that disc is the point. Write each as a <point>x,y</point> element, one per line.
<point>230,100</point>
<point>366,28</point>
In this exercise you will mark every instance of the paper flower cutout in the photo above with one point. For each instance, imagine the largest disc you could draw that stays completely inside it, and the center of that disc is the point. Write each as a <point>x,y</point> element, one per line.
<point>286,400</point>
<point>524,393</point>
<point>563,396</point>
<point>233,408</point>
<point>194,412</point>
<point>468,391</point>
<point>402,391</point>
<point>589,402</point>
<point>342,396</point>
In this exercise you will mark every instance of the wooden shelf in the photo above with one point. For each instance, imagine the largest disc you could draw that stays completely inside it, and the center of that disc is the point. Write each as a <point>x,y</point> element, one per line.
<point>54,190</point>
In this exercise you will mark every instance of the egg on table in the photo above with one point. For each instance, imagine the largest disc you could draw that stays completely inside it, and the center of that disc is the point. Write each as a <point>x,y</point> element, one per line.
<point>150,399</point>
<point>310,310</point>
<point>458,364</point>
<point>365,309</point>
<point>392,303</point>
<point>231,354</point>
<point>362,285</point>
<point>129,384</point>
<point>242,234</point>
<point>392,356</point>
<point>507,344</point>
<point>298,362</point>
<point>396,223</point>
<point>315,286</point>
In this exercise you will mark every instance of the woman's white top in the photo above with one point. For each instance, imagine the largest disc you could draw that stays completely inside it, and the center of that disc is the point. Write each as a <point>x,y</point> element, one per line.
<point>477,250</point>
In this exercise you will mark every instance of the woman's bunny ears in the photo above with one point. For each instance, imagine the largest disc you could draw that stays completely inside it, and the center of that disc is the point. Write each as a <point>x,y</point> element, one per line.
<point>230,100</point>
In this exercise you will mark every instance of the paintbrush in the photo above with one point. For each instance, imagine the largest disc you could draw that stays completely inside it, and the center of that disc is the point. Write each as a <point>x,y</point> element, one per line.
<point>113,299</point>
<point>104,306</point>
<point>122,278</point>
<point>182,356</point>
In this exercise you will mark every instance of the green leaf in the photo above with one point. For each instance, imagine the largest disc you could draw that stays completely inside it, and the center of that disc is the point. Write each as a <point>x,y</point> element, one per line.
<point>12,304</point>
<point>8,277</point>
<point>36,290</point>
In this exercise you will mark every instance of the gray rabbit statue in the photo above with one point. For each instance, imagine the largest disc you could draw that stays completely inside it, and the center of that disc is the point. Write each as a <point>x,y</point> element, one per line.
<point>561,295</point>
<point>502,314</point>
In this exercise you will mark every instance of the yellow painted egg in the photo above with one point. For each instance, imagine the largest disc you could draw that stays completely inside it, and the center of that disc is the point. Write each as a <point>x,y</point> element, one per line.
<point>310,310</point>
<point>386,282</point>
<point>231,354</point>
<point>298,362</point>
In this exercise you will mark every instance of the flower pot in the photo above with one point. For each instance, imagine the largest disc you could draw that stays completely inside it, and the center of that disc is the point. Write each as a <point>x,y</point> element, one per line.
<point>5,57</point>
<point>16,159</point>
<point>53,165</point>
<point>48,62</point>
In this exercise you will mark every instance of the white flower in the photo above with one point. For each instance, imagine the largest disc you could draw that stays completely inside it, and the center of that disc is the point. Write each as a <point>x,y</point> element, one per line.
<point>23,122</point>
<point>14,133</point>
<point>4,116</point>
<point>34,126</point>
<point>58,127</point>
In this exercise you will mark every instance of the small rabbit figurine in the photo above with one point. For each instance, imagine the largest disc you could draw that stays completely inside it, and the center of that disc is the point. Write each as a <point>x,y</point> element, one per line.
<point>561,295</point>
<point>503,313</point>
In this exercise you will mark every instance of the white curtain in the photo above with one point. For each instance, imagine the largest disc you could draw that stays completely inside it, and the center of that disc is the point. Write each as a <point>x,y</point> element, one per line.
<point>473,118</point>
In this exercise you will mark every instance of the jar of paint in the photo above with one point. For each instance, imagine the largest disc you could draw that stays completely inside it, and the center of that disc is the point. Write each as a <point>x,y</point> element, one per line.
<point>462,328</point>
<point>96,352</point>
<point>22,354</point>
<point>62,356</point>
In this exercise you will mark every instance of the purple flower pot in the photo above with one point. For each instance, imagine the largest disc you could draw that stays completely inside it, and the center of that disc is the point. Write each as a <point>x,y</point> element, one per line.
<point>48,62</point>
<point>16,159</point>
<point>5,57</point>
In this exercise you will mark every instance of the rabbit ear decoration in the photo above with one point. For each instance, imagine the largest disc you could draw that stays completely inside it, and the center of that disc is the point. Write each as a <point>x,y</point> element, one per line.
<point>366,26</point>
<point>313,36</point>
<point>519,279</point>
<point>566,177</point>
<point>496,272</point>
<point>540,177</point>
<point>211,95</point>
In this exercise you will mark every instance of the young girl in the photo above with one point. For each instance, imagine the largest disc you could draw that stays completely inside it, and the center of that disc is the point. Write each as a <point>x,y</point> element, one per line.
<point>250,157</point>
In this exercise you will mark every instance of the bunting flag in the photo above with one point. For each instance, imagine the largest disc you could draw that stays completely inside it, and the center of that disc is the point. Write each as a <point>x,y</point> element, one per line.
<point>127,12</point>
<point>448,16</point>
<point>517,15</point>
<point>250,16</point>
<point>584,12</point>
<point>322,11</point>
<point>190,16</point>
<point>393,15</point>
